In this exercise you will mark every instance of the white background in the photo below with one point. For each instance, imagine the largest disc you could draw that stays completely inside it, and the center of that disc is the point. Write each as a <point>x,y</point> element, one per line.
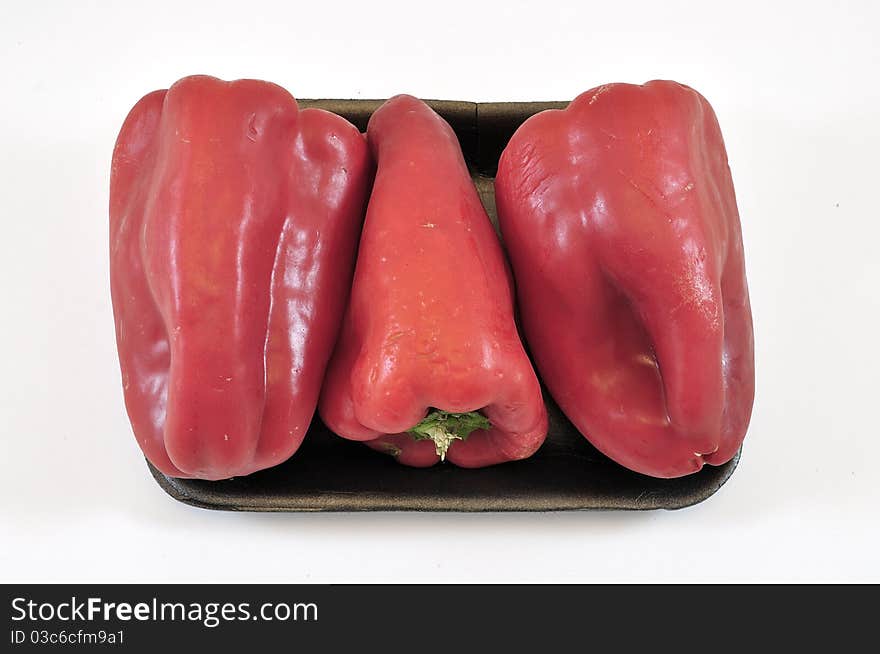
<point>795,87</point>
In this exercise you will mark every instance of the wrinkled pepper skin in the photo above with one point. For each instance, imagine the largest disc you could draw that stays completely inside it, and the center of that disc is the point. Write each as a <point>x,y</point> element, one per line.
<point>234,220</point>
<point>430,322</point>
<point>620,219</point>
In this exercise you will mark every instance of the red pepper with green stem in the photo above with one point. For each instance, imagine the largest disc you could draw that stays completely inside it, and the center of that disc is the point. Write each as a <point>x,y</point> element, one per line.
<point>234,219</point>
<point>620,218</point>
<point>429,364</point>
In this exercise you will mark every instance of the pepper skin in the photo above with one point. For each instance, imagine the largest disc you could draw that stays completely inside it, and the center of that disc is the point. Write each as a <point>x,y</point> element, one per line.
<point>430,322</point>
<point>620,219</point>
<point>234,220</point>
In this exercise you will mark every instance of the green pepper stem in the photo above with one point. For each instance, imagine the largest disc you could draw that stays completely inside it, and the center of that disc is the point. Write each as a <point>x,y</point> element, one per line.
<point>443,427</point>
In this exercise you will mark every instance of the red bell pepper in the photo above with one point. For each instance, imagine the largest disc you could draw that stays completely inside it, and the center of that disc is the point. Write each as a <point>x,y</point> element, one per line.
<point>234,219</point>
<point>621,222</point>
<point>429,364</point>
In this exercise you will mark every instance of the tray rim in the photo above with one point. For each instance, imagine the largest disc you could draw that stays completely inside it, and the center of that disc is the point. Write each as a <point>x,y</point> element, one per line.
<point>176,489</point>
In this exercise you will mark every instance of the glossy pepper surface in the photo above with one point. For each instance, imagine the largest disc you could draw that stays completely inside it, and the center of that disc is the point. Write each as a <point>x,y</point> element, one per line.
<point>234,220</point>
<point>429,363</point>
<point>620,219</point>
